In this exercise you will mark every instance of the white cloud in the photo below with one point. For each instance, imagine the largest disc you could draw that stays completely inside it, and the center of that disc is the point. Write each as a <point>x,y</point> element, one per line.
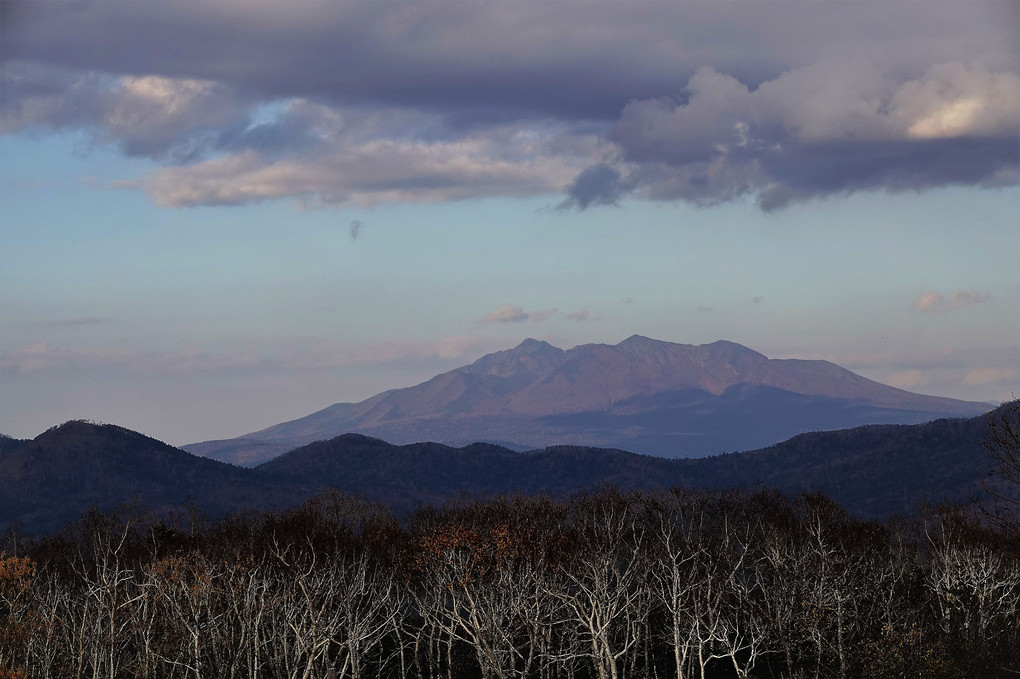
<point>510,313</point>
<point>580,316</point>
<point>929,301</point>
<point>366,173</point>
<point>907,379</point>
<point>539,316</point>
<point>982,376</point>
<point>933,301</point>
<point>515,313</point>
<point>954,100</point>
<point>834,126</point>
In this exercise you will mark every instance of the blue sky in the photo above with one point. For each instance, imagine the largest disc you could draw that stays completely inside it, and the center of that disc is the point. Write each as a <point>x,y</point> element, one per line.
<point>200,239</point>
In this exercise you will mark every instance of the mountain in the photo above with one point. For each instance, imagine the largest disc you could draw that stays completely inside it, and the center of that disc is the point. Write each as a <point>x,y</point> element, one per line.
<point>650,396</point>
<point>67,469</point>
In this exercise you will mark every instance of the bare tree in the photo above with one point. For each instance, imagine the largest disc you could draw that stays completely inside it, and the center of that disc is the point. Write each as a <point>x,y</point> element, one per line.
<point>975,577</point>
<point>1002,441</point>
<point>598,588</point>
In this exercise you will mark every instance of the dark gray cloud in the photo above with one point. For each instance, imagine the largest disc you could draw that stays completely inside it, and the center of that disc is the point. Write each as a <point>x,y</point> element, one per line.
<point>576,59</point>
<point>598,184</point>
<point>146,116</point>
<point>700,102</point>
<point>830,128</point>
<point>356,226</point>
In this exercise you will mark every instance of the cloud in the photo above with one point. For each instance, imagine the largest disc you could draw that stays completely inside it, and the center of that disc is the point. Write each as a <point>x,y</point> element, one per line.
<point>515,313</point>
<point>444,101</point>
<point>539,316</point>
<point>580,316</point>
<point>907,379</point>
<point>349,167</point>
<point>982,376</point>
<point>935,302</point>
<point>928,301</point>
<point>598,184</point>
<point>757,300</point>
<point>831,128</point>
<point>145,116</point>
<point>521,58</point>
<point>511,313</point>
<point>961,372</point>
<point>356,226</point>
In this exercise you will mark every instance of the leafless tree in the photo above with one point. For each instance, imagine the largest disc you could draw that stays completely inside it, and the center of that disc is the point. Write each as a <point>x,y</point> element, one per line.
<point>1002,441</point>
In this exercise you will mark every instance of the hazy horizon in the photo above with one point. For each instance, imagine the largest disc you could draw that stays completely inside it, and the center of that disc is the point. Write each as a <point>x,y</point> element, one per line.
<point>219,216</point>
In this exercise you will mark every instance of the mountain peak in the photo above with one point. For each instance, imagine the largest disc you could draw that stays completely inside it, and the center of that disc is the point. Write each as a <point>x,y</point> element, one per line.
<point>640,340</point>
<point>532,346</point>
<point>86,429</point>
<point>530,357</point>
<point>735,349</point>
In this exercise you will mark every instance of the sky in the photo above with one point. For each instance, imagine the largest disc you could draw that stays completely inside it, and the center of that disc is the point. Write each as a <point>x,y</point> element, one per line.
<point>217,216</point>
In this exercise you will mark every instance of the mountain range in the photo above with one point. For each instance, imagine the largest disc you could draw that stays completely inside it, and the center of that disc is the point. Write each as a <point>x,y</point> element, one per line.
<point>644,395</point>
<point>873,470</point>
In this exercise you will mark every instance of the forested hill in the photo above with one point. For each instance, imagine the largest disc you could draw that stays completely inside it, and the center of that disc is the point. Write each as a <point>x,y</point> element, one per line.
<point>873,471</point>
<point>69,468</point>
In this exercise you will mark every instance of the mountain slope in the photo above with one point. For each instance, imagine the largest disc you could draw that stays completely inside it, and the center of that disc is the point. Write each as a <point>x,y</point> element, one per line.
<point>646,395</point>
<point>67,469</point>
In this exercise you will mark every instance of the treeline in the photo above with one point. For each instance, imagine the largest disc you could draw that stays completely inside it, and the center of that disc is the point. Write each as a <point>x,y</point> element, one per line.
<point>606,584</point>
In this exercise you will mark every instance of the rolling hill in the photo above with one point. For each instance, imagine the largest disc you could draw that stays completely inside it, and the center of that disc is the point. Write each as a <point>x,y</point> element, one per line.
<point>77,465</point>
<point>872,470</point>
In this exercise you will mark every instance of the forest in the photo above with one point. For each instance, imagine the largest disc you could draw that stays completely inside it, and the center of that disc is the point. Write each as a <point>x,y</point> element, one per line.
<point>604,584</point>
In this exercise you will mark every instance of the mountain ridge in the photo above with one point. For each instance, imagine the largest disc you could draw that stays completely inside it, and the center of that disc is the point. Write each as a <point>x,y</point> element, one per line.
<point>663,398</point>
<point>872,470</point>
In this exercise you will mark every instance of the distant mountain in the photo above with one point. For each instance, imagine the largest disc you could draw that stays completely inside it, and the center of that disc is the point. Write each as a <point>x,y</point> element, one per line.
<point>67,469</point>
<point>654,397</point>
